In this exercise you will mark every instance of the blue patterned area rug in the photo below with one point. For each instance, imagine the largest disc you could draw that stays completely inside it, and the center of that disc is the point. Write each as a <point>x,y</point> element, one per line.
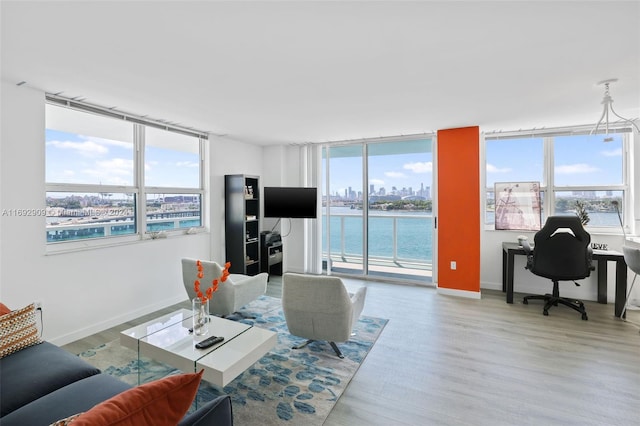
<point>285,387</point>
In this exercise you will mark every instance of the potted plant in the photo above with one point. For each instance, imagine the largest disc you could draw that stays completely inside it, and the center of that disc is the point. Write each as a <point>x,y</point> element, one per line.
<point>582,213</point>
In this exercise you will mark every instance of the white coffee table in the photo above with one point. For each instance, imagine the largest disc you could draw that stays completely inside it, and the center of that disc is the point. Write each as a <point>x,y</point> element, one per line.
<point>167,339</point>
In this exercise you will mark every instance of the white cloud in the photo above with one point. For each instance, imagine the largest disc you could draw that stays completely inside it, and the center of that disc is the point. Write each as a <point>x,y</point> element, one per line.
<point>420,167</point>
<point>116,171</point>
<point>572,169</point>
<point>119,144</point>
<point>187,164</point>
<point>86,148</point>
<point>395,175</point>
<point>612,153</point>
<point>376,181</point>
<point>493,169</point>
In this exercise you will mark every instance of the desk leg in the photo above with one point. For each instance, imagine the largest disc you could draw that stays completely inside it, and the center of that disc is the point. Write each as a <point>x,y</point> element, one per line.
<point>621,287</point>
<point>510,262</point>
<point>504,271</point>
<point>602,281</point>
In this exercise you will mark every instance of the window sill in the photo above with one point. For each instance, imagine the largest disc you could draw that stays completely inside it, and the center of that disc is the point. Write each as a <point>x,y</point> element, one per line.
<point>98,243</point>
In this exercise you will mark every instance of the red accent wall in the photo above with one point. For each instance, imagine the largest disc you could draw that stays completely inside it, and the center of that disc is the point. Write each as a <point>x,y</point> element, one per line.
<point>459,208</point>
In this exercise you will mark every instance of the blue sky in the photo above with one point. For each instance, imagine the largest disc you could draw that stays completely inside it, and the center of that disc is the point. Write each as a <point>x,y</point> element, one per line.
<point>578,160</point>
<point>81,159</point>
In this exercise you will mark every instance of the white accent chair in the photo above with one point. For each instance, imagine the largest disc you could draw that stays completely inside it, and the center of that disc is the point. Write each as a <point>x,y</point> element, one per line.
<point>237,291</point>
<point>632,259</point>
<point>318,307</point>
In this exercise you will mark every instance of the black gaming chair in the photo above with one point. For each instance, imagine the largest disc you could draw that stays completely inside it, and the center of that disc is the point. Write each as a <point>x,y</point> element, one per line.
<point>561,252</point>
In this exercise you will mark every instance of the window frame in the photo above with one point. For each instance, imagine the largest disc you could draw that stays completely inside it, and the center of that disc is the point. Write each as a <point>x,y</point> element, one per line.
<point>548,189</point>
<point>138,188</point>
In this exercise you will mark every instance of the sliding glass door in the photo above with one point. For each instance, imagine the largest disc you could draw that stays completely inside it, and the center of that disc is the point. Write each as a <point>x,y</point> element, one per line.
<point>343,214</point>
<point>377,216</point>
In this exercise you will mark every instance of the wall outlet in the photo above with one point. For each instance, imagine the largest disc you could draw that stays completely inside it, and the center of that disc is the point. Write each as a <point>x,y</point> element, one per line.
<point>38,304</point>
<point>453,265</point>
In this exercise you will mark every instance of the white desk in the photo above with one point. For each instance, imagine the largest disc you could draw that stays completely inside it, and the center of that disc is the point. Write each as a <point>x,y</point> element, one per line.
<point>167,339</point>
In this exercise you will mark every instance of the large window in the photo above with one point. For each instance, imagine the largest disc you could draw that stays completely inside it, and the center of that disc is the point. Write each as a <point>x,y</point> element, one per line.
<point>99,167</point>
<point>576,171</point>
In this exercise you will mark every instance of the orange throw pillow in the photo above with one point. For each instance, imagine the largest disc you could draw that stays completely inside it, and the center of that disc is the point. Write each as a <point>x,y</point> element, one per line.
<point>163,402</point>
<point>3,309</point>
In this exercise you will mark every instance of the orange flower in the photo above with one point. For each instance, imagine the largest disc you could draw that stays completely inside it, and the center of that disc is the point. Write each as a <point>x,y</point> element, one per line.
<point>214,283</point>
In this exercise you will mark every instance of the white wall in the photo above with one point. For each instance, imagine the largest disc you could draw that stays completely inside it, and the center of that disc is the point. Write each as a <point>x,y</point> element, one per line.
<point>228,157</point>
<point>282,168</point>
<point>87,291</point>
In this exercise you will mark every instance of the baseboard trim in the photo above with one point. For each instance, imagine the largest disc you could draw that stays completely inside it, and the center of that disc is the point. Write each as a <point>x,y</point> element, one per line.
<point>459,293</point>
<point>491,286</point>
<point>83,332</point>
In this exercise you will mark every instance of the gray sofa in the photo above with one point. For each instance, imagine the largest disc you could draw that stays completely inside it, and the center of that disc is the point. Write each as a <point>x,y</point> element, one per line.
<point>42,384</point>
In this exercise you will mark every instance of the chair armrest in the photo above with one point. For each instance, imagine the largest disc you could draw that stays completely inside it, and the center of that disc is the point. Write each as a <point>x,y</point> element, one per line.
<point>590,264</point>
<point>357,301</point>
<point>216,412</point>
<point>247,288</point>
<point>529,252</point>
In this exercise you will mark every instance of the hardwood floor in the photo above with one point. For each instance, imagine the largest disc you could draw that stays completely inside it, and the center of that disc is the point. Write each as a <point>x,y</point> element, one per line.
<point>445,360</point>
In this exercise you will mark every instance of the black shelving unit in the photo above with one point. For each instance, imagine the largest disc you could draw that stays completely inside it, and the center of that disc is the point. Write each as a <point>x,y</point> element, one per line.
<point>242,223</point>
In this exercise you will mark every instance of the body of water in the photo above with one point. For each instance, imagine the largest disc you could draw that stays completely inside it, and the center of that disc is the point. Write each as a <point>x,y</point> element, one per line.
<point>414,232</point>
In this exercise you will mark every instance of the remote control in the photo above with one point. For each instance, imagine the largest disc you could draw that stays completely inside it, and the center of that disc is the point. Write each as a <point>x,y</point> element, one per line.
<point>209,342</point>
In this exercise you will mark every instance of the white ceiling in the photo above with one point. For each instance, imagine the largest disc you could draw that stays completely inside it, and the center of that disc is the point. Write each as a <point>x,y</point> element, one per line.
<point>291,72</point>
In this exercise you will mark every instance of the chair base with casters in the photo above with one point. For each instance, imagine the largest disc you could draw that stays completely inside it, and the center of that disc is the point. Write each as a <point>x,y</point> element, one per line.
<point>555,299</point>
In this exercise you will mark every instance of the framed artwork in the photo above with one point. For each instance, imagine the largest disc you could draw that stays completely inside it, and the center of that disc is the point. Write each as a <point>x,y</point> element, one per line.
<point>518,206</point>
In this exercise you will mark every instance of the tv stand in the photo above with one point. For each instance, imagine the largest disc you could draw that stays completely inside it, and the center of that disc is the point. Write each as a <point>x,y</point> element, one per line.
<point>271,253</point>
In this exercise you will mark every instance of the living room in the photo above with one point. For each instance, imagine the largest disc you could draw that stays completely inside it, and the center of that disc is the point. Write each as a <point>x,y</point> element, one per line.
<point>86,291</point>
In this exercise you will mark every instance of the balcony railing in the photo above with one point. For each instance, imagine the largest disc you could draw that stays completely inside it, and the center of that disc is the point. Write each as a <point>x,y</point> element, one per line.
<point>126,225</point>
<point>396,241</point>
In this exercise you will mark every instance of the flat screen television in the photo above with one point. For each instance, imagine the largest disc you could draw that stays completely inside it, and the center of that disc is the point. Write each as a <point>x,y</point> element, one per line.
<point>290,202</point>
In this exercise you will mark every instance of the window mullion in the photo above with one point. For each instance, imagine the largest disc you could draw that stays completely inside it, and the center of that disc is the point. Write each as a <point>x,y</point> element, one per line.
<point>141,205</point>
<point>549,181</point>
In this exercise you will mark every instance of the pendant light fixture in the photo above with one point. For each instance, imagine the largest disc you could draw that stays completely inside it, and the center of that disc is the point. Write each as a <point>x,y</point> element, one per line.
<point>607,101</point>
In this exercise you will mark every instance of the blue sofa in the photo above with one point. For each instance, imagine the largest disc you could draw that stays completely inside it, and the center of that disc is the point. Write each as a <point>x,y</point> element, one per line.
<point>42,384</point>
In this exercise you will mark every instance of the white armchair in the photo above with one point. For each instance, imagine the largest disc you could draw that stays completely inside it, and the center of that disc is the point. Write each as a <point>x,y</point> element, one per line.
<point>233,294</point>
<point>318,307</point>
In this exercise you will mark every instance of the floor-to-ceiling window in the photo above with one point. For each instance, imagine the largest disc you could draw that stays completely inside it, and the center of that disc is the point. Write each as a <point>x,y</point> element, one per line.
<point>377,208</point>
